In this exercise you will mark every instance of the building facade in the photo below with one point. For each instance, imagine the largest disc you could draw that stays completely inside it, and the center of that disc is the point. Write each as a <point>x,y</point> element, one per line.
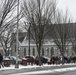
<point>49,48</point>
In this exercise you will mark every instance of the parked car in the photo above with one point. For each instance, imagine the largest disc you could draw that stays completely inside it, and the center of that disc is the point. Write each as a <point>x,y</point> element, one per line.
<point>30,59</point>
<point>42,58</point>
<point>24,61</point>
<point>13,59</point>
<point>6,62</point>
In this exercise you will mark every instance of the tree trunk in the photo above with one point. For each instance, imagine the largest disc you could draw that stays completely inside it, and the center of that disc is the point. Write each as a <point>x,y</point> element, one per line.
<point>40,63</point>
<point>62,55</point>
<point>39,56</point>
<point>62,58</point>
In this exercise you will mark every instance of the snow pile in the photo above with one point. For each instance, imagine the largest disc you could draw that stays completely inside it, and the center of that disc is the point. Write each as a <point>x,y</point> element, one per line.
<point>31,66</point>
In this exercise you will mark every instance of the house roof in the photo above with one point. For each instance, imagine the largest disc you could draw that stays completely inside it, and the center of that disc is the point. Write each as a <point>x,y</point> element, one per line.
<point>21,36</point>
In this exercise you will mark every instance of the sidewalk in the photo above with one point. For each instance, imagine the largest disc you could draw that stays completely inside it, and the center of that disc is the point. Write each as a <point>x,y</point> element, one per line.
<point>47,71</point>
<point>12,67</point>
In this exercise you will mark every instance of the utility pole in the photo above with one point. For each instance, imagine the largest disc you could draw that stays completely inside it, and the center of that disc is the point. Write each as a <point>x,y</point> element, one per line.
<point>17,65</point>
<point>29,39</point>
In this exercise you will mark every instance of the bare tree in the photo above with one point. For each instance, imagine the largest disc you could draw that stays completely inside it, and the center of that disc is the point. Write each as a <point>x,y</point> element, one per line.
<point>72,37</point>
<point>61,31</point>
<point>39,13</point>
<point>7,9</point>
<point>8,19</point>
<point>5,40</point>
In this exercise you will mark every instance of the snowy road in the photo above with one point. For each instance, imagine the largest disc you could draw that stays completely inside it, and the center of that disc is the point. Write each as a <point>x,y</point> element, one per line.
<point>48,72</point>
<point>37,70</point>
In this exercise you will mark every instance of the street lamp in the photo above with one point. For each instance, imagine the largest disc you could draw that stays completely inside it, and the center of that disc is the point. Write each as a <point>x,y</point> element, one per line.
<point>29,39</point>
<point>17,65</point>
<point>28,29</point>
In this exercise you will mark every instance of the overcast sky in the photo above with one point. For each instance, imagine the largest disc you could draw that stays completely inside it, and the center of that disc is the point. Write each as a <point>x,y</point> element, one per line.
<point>68,4</point>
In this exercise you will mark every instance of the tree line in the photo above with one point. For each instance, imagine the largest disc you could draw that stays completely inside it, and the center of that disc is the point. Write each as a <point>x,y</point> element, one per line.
<point>42,18</point>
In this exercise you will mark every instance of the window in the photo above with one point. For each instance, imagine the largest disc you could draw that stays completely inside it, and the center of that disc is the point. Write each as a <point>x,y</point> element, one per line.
<point>48,51</point>
<point>52,51</point>
<point>33,51</point>
<point>24,51</point>
<point>42,51</point>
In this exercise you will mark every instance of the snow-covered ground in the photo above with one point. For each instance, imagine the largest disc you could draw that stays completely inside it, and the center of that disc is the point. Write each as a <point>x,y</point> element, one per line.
<point>31,66</point>
<point>40,72</point>
<point>47,71</point>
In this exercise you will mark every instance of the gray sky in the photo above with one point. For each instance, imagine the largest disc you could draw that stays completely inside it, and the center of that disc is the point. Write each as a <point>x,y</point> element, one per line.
<point>68,4</point>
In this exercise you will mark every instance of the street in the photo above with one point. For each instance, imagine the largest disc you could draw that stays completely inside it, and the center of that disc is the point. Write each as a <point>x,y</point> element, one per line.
<point>69,73</point>
<point>60,73</point>
<point>52,70</point>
